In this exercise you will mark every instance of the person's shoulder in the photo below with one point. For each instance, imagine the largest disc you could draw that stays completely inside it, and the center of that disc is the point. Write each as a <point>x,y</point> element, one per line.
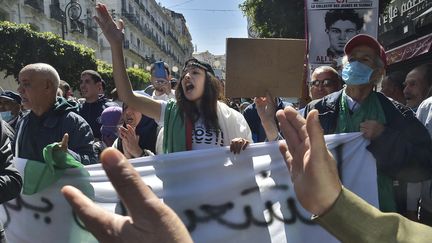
<point>250,109</point>
<point>72,117</point>
<point>329,100</point>
<point>426,104</point>
<point>390,104</point>
<point>7,130</point>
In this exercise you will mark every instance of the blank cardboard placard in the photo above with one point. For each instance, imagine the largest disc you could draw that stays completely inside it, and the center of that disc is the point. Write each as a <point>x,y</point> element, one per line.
<point>254,66</point>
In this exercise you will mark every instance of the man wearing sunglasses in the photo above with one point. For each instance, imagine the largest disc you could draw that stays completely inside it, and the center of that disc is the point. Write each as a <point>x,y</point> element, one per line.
<point>160,76</point>
<point>324,80</point>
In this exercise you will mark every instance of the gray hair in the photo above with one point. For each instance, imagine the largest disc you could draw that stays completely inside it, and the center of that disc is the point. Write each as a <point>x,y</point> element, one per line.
<point>47,70</point>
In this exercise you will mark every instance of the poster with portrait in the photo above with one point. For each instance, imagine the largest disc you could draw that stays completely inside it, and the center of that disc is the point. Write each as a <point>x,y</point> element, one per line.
<point>332,23</point>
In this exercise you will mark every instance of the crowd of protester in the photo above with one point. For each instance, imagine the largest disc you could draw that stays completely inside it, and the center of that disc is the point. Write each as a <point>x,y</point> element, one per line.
<point>193,114</point>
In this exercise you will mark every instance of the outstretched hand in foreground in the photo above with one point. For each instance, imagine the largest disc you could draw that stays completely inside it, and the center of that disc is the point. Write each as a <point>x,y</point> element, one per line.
<point>312,167</point>
<point>150,220</point>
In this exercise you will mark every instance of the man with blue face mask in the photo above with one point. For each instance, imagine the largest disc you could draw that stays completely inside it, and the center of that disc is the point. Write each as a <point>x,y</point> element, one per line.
<point>398,141</point>
<point>10,107</point>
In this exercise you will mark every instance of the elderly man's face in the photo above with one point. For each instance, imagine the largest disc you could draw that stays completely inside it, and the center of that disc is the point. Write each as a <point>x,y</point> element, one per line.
<point>32,88</point>
<point>363,54</point>
<point>416,88</point>
<point>340,32</point>
<point>322,84</point>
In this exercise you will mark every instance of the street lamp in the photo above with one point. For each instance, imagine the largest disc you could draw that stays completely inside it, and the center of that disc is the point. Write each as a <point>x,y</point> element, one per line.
<point>175,69</point>
<point>72,12</point>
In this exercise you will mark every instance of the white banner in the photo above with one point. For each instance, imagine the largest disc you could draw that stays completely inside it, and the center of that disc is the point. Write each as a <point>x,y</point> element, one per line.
<point>221,197</point>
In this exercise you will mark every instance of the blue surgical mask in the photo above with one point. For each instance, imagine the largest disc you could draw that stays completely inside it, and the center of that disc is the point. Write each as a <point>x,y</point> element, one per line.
<point>356,73</point>
<point>6,116</point>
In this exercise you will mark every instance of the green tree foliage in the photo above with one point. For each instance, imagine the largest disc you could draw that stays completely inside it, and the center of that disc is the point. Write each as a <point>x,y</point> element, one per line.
<point>276,18</point>
<point>280,18</point>
<point>20,45</point>
<point>138,77</point>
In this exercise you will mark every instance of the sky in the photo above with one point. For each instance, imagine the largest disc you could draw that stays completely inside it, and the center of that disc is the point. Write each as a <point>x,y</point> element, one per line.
<point>210,22</point>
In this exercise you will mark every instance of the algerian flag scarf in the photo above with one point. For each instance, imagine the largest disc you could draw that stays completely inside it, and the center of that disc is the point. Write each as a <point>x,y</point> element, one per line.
<point>349,121</point>
<point>40,175</point>
<point>177,135</point>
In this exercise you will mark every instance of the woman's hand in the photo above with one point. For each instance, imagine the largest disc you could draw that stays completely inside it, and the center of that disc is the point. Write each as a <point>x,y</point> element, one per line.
<point>238,144</point>
<point>130,142</point>
<point>112,31</point>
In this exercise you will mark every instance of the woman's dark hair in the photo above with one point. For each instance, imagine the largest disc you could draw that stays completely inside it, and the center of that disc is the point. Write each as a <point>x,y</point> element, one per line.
<point>208,105</point>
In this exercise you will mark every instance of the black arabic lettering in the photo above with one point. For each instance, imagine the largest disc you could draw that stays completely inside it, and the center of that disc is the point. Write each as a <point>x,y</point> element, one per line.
<point>217,213</point>
<point>21,204</point>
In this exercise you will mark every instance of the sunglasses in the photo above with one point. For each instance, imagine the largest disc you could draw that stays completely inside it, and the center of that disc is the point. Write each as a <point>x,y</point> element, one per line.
<point>325,82</point>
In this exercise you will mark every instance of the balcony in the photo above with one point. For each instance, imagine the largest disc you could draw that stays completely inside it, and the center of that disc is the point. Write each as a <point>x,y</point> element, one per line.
<point>77,26</point>
<point>36,4</point>
<point>92,33</point>
<point>132,18</point>
<point>56,13</point>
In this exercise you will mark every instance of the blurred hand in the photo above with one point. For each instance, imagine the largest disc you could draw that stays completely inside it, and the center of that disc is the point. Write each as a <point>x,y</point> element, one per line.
<point>112,31</point>
<point>150,219</point>
<point>371,129</point>
<point>238,144</point>
<point>266,109</point>
<point>130,142</point>
<point>312,167</point>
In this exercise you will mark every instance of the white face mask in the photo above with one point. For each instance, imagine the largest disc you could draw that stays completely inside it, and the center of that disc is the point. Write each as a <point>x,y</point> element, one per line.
<point>6,116</point>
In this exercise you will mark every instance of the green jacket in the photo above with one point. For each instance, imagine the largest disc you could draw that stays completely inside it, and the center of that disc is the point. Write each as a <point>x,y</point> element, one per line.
<point>351,219</point>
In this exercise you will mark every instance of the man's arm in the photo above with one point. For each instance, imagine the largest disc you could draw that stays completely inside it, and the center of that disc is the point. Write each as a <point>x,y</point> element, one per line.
<point>319,190</point>
<point>404,149</point>
<point>80,140</point>
<point>351,219</point>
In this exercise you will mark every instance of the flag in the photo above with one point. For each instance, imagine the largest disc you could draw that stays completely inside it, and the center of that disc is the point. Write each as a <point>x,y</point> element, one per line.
<point>220,196</point>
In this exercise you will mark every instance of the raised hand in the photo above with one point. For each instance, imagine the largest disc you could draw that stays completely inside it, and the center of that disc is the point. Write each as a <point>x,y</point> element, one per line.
<point>63,146</point>
<point>266,109</point>
<point>150,219</point>
<point>313,169</point>
<point>112,31</point>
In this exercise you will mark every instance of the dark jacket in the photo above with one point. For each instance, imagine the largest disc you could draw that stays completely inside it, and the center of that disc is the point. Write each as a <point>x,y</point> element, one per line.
<point>252,118</point>
<point>92,111</point>
<point>147,130</point>
<point>403,151</point>
<point>10,179</point>
<point>34,133</point>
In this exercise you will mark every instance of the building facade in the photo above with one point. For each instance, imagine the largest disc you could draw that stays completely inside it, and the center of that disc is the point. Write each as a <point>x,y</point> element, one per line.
<point>152,33</point>
<point>218,62</point>
<point>405,30</point>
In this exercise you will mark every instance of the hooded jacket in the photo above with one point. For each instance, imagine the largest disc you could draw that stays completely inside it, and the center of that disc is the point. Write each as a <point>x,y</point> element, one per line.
<point>34,133</point>
<point>92,111</point>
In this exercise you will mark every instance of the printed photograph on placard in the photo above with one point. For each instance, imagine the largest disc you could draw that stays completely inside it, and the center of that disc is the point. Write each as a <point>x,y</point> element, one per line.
<point>330,30</point>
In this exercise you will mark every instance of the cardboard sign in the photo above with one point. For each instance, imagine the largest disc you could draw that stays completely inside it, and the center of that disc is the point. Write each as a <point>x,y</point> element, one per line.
<point>254,66</point>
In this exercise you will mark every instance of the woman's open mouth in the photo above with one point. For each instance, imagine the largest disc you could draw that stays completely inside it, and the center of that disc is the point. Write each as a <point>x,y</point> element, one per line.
<point>189,87</point>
